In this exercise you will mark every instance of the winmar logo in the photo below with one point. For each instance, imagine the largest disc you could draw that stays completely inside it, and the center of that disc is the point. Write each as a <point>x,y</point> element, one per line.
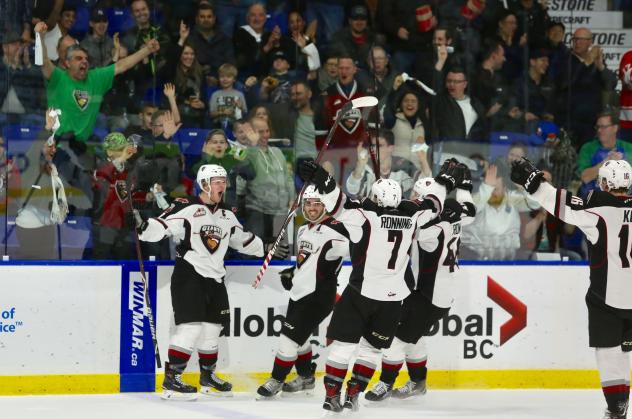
<point>476,325</point>
<point>136,304</point>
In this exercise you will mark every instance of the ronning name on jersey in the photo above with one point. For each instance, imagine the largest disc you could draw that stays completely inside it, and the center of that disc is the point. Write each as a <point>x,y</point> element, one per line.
<point>396,223</point>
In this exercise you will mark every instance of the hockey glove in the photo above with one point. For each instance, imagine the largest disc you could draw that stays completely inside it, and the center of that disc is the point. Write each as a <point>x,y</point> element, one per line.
<point>447,175</point>
<point>282,250</point>
<point>464,177</point>
<point>138,222</point>
<point>309,171</point>
<point>286,276</point>
<point>524,173</point>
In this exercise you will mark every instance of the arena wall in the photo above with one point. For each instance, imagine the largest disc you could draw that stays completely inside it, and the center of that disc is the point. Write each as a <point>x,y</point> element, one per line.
<point>82,328</point>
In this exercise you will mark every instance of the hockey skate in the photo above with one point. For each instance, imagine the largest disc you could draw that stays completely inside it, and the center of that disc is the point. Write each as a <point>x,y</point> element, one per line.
<point>212,385</point>
<point>410,389</point>
<point>269,389</point>
<point>173,388</point>
<point>379,393</point>
<point>621,413</point>
<point>332,398</point>
<point>352,396</point>
<point>301,383</point>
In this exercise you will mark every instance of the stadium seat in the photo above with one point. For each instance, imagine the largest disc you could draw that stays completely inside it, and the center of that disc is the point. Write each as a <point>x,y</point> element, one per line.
<point>191,141</point>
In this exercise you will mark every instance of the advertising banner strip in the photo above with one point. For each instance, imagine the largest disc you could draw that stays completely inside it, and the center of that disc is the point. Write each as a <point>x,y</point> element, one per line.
<point>137,351</point>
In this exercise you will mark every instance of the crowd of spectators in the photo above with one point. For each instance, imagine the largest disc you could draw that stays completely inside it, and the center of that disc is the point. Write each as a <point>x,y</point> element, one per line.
<point>147,91</point>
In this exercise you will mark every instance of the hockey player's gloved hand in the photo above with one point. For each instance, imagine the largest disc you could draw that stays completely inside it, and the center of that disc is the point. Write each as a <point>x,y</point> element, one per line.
<point>464,177</point>
<point>282,251</point>
<point>447,174</point>
<point>309,171</point>
<point>137,221</point>
<point>286,276</point>
<point>524,173</point>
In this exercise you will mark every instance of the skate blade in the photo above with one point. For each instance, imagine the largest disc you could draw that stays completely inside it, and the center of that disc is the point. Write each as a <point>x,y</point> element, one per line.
<point>301,393</point>
<point>211,392</point>
<point>260,398</point>
<point>179,397</point>
<point>375,404</point>
<point>330,414</point>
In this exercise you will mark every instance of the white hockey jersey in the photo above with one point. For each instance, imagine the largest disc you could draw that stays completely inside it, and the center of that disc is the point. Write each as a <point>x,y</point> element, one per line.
<point>606,220</point>
<point>434,256</point>
<point>203,233</point>
<point>381,239</point>
<point>321,248</point>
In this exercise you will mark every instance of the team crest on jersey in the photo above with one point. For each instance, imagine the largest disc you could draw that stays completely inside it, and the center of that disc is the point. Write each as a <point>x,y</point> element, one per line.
<point>305,251</point>
<point>211,237</point>
<point>82,98</point>
<point>350,121</point>
<point>200,212</point>
<point>120,187</point>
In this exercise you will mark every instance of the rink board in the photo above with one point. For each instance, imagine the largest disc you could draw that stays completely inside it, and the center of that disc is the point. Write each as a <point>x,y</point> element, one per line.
<point>67,328</point>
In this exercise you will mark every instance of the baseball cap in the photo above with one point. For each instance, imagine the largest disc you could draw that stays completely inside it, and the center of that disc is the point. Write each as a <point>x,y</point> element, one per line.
<point>115,141</point>
<point>280,54</point>
<point>98,15</point>
<point>359,12</point>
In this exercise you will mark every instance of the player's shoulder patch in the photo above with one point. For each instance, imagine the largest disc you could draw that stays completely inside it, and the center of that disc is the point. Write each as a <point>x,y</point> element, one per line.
<point>336,226</point>
<point>176,206</point>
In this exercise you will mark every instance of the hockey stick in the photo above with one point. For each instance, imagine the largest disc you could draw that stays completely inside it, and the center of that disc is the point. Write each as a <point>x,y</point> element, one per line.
<point>361,102</point>
<point>143,275</point>
<point>374,147</point>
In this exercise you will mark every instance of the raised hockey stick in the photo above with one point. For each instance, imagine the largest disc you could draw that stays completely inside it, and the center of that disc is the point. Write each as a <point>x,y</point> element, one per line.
<point>143,275</point>
<point>361,102</point>
<point>374,147</point>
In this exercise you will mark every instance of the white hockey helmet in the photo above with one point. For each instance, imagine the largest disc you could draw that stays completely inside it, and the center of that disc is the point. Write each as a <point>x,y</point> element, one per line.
<point>617,174</point>
<point>208,171</point>
<point>312,193</point>
<point>423,187</point>
<point>386,193</point>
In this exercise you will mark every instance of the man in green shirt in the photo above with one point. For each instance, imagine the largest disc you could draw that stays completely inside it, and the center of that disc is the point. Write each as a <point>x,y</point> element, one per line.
<point>78,91</point>
<point>593,154</point>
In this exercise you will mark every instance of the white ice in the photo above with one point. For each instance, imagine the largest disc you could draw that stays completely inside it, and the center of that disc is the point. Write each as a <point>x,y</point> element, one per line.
<point>576,404</point>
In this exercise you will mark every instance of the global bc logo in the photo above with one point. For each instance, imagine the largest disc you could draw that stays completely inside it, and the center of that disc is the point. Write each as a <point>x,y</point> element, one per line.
<point>8,321</point>
<point>136,304</point>
<point>478,329</point>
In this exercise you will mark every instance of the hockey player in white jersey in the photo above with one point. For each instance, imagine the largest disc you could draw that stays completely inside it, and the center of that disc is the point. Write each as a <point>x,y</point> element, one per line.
<point>322,243</point>
<point>434,262</point>
<point>204,229</point>
<point>381,232</point>
<point>605,217</point>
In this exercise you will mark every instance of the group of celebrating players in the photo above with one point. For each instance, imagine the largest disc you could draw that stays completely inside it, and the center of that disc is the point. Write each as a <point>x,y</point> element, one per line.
<point>393,297</point>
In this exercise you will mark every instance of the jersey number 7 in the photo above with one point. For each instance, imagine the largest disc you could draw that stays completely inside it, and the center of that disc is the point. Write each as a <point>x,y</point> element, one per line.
<point>394,236</point>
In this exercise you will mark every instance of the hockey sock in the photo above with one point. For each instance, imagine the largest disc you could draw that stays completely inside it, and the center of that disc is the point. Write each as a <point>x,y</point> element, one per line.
<point>208,344</point>
<point>304,360</point>
<point>416,358</point>
<point>366,361</point>
<point>614,372</point>
<point>181,344</point>
<point>392,361</point>
<point>340,354</point>
<point>285,358</point>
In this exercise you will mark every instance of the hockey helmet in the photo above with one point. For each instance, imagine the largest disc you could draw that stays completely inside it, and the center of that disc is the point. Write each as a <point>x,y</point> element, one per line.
<point>208,171</point>
<point>423,187</point>
<point>312,193</point>
<point>386,193</point>
<point>617,174</point>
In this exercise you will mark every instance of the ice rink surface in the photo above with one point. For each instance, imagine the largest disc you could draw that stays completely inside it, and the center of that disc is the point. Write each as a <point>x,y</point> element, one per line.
<point>484,404</point>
